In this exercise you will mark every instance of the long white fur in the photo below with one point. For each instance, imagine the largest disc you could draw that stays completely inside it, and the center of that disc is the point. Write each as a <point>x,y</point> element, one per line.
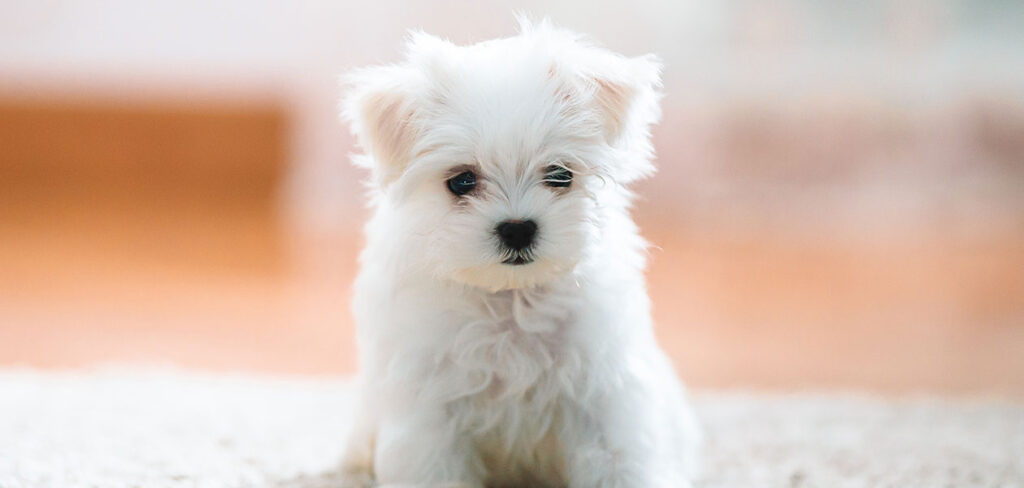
<point>475,373</point>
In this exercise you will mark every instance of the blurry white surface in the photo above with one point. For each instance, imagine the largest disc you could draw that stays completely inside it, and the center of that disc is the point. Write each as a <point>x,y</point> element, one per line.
<point>121,427</point>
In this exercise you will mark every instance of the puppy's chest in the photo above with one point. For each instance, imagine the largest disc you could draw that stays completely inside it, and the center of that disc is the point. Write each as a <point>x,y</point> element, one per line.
<point>519,364</point>
<point>513,353</point>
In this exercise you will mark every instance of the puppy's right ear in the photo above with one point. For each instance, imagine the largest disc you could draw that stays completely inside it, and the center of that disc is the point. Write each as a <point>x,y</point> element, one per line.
<point>378,105</point>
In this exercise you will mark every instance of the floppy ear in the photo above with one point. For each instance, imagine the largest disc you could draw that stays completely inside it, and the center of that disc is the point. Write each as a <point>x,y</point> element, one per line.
<point>379,108</point>
<point>625,93</point>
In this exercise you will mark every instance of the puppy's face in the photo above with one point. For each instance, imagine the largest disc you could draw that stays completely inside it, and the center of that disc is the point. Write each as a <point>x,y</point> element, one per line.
<point>500,160</point>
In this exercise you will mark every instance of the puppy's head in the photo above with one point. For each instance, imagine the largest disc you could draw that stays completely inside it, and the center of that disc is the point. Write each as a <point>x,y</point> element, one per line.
<point>498,162</point>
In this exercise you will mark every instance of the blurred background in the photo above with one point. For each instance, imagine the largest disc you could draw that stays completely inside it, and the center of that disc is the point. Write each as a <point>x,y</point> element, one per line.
<point>840,202</point>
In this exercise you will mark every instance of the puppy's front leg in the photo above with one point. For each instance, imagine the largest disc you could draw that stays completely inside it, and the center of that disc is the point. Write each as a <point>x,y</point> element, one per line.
<point>619,449</point>
<point>423,450</point>
<point>594,465</point>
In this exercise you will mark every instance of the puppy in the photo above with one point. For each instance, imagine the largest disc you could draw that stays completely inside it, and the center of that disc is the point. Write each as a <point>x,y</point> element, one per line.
<point>503,323</point>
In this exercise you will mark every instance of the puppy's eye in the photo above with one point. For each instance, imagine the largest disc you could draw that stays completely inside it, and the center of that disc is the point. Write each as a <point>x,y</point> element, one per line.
<point>558,177</point>
<point>462,183</point>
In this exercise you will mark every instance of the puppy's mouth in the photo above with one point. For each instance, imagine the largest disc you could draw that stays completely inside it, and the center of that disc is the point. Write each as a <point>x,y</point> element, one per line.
<point>518,257</point>
<point>518,260</point>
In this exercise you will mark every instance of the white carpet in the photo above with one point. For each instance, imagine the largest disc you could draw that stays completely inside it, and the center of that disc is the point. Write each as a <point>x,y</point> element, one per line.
<point>166,428</point>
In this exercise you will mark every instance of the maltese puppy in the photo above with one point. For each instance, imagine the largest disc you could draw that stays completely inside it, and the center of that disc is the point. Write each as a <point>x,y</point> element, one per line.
<point>503,323</point>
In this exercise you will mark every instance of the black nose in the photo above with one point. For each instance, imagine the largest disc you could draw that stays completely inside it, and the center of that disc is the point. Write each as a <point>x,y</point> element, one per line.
<point>517,234</point>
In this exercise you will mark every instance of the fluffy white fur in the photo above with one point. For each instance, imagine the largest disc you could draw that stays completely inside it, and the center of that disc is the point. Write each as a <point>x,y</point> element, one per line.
<point>476,373</point>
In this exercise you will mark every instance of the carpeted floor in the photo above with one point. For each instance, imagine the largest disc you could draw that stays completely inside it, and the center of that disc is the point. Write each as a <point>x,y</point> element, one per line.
<point>167,428</point>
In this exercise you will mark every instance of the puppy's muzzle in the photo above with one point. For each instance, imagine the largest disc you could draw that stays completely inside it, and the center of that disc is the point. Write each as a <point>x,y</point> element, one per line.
<point>517,236</point>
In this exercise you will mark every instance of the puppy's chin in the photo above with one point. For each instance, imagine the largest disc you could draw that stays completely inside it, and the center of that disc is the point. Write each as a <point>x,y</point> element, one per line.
<point>499,276</point>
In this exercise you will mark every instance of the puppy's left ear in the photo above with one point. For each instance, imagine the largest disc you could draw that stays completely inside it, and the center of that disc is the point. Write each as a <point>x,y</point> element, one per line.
<point>378,105</point>
<point>625,92</point>
<point>628,95</point>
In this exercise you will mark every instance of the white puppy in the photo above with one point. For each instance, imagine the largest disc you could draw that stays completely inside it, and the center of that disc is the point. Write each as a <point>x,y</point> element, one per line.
<point>504,326</point>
